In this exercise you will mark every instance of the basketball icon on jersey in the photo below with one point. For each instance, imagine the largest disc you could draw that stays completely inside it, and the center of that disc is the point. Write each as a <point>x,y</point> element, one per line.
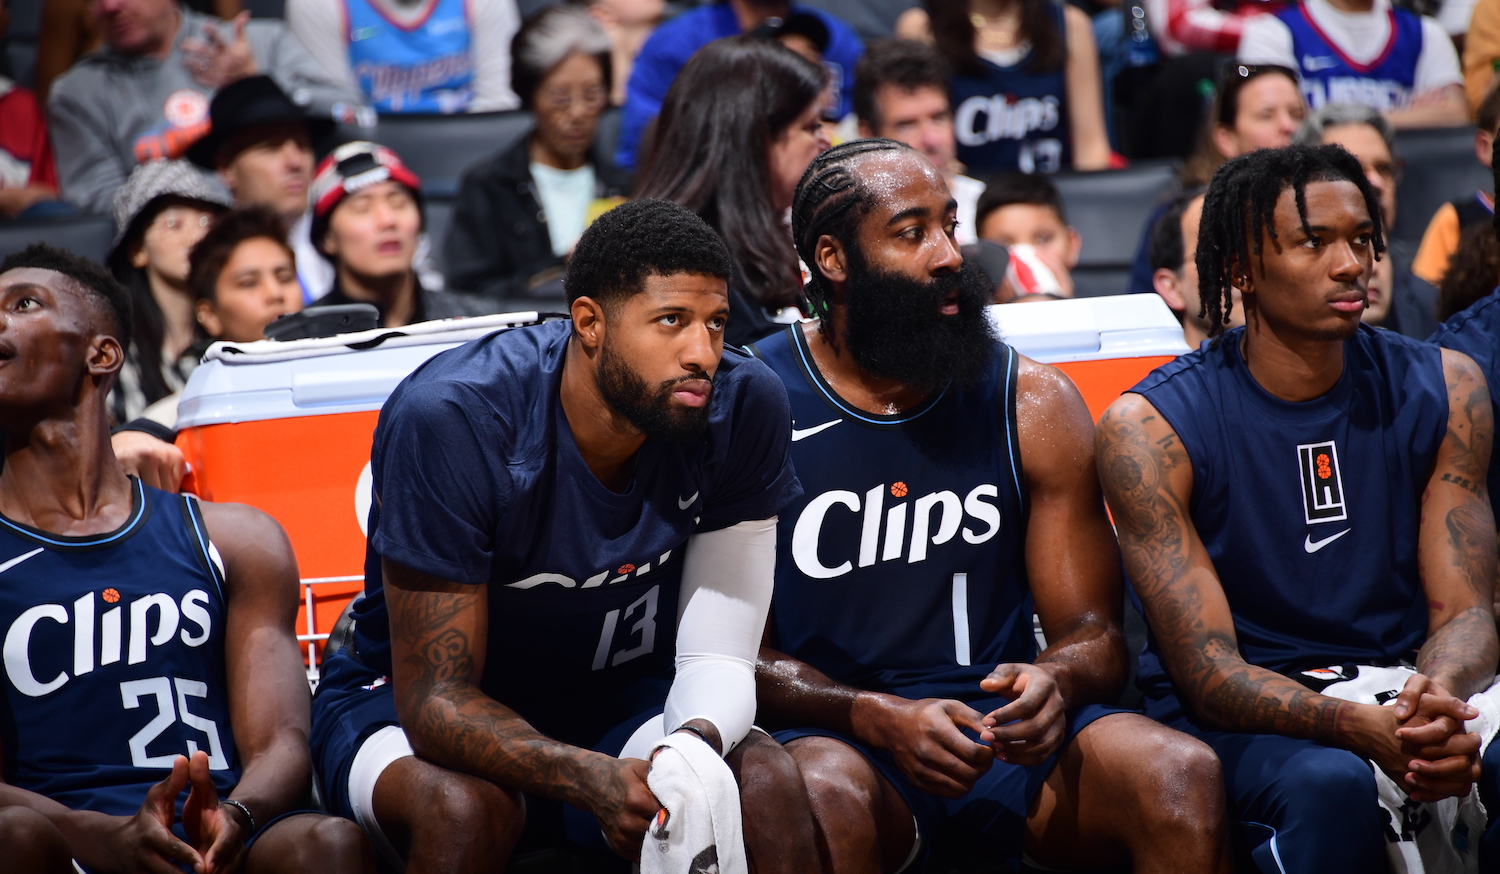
<point>1322,489</point>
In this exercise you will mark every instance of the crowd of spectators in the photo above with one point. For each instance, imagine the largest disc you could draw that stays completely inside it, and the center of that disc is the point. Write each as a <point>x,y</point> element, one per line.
<point>720,108</point>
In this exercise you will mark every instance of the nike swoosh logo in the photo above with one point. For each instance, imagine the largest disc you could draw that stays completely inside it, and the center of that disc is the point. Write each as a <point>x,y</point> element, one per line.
<point>684,503</point>
<point>1313,546</point>
<point>20,558</point>
<point>808,432</point>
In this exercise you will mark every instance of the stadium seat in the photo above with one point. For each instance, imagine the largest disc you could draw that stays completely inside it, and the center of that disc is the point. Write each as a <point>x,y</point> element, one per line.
<point>21,40</point>
<point>1440,166</point>
<point>439,212</point>
<point>438,148</point>
<point>1110,209</point>
<point>265,8</point>
<point>87,235</point>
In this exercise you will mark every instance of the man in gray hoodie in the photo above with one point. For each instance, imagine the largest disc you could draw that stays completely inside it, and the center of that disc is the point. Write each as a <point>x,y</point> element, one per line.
<point>145,93</point>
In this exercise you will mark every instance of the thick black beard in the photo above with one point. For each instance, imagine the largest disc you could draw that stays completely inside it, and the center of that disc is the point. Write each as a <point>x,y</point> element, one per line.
<point>896,331</point>
<point>652,413</point>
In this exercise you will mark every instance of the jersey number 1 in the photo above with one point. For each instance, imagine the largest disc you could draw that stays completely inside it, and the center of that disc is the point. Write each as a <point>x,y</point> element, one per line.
<point>644,631</point>
<point>160,688</point>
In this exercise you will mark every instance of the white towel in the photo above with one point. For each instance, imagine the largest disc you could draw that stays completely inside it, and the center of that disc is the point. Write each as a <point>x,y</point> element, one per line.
<point>698,830</point>
<point>1437,838</point>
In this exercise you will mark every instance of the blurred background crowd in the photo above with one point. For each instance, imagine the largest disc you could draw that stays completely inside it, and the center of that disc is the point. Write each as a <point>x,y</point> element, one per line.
<point>236,160</point>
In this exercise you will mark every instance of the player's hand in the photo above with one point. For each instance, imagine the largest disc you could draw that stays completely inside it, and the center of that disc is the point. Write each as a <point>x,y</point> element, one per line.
<point>929,748</point>
<point>153,461</point>
<point>1444,758</point>
<point>208,823</point>
<point>1032,726</point>
<point>623,804</point>
<point>144,843</point>
<point>215,61</point>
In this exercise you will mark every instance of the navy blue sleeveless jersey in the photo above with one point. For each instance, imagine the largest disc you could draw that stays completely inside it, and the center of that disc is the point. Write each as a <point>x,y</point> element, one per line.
<point>114,657</point>
<point>478,481</point>
<point>902,568</point>
<point>1330,76</point>
<point>1310,511</point>
<point>1476,333</point>
<point>1013,119</point>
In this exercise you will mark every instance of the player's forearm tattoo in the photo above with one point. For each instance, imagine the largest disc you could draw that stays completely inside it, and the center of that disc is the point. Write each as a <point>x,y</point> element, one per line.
<point>1461,655</point>
<point>1205,663</point>
<point>458,726</point>
<point>1470,434</point>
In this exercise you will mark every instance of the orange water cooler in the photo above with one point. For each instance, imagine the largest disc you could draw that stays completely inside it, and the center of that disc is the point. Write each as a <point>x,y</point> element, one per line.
<point>286,427</point>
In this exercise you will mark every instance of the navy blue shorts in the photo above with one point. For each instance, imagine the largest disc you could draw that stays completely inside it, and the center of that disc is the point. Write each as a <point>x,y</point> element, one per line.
<point>994,809</point>
<point>354,702</point>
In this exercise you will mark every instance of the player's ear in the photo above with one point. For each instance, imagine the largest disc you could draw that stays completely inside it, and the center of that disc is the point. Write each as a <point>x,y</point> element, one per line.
<point>1075,247</point>
<point>209,319</point>
<point>106,355</point>
<point>588,321</point>
<point>1166,284</point>
<point>830,260</point>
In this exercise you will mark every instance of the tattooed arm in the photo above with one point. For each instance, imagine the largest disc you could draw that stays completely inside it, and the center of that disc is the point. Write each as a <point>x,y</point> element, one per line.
<point>1456,550</point>
<point>1073,566</point>
<point>1148,480</point>
<point>439,631</point>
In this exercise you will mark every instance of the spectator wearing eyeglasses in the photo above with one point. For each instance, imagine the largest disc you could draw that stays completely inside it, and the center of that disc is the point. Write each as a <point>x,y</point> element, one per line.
<point>1365,52</point>
<point>1398,300</point>
<point>414,56</point>
<point>520,211</point>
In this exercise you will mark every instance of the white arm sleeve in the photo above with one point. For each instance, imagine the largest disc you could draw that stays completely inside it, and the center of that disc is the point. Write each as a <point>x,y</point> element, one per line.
<point>727,578</point>
<point>1267,40</point>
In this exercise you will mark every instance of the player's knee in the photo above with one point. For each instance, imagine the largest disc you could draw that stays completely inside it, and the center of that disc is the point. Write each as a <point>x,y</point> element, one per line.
<point>471,811</point>
<point>768,775</point>
<point>1191,791</point>
<point>332,845</point>
<point>835,775</point>
<point>32,843</point>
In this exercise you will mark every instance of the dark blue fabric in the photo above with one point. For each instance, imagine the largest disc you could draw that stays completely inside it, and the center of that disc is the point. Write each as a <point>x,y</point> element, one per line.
<point>994,810</point>
<point>669,48</point>
<point>1315,546</point>
<point>907,525</point>
<point>1476,333</point>
<point>1140,269</point>
<point>122,668</point>
<point>1303,808</point>
<point>1013,119</point>
<point>477,480</point>
<point>1330,76</point>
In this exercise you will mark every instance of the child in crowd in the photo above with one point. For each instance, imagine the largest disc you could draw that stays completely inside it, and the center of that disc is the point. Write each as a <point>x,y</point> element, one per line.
<point>1453,218</point>
<point>1026,210</point>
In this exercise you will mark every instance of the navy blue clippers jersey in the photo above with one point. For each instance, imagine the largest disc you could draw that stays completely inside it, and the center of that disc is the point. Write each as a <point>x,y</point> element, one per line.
<point>1012,118</point>
<point>1476,333</point>
<point>1310,511</point>
<point>902,567</point>
<point>1330,76</point>
<point>478,481</point>
<point>114,657</point>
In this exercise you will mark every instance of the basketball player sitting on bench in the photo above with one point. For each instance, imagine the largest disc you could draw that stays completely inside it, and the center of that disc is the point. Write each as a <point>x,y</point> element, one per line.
<point>149,645</point>
<point>1373,448</point>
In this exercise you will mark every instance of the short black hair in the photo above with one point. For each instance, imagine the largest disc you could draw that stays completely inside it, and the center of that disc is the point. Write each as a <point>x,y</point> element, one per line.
<point>110,297</point>
<point>902,63</point>
<point>1167,247</point>
<point>642,238</point>
<point>211,253</point>
<point>1006,189</point>
<point>830,199</point>
<point>1240,207</point>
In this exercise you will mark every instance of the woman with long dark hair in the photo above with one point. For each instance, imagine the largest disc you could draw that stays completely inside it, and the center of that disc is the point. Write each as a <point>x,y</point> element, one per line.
<point>740,124</point>
<point>1258,106</point>
<point>1026,91</point>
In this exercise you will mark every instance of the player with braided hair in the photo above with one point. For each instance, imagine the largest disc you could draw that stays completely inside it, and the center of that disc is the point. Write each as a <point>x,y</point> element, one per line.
<point>949,491</point>
<point>1372,446</point>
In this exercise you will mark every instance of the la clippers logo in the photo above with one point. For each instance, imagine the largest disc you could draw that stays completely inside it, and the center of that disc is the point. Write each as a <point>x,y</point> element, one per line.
<point>1322,489</point>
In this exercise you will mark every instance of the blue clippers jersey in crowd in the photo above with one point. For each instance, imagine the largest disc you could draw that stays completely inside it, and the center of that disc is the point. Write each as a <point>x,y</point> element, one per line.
<point>1012,119</point>
<point>478,480</point>
<point>902,567</point>
<point>114,657</point>
<point>1310,511</point>
<point>1330,76</point>
<point>422,68</point>
<point>1476,333</point>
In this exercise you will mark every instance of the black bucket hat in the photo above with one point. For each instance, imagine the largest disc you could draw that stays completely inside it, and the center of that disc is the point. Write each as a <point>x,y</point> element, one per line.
<point>250,102</point>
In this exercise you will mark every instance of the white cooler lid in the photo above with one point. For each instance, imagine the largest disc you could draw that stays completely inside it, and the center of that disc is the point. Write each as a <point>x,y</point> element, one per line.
<point>347,373</point>
<point>1091,328</point>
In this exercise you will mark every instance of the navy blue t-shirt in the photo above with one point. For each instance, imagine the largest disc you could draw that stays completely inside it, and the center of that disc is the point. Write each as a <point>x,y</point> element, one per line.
<point>477,480</point>
<point>903,567</point>
<point>1310,511</point>
<point>1476,333</point>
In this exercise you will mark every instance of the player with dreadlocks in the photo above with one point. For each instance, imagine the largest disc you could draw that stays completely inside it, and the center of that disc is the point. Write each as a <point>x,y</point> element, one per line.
<point>900,658</point>
<point>1274,649</point>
